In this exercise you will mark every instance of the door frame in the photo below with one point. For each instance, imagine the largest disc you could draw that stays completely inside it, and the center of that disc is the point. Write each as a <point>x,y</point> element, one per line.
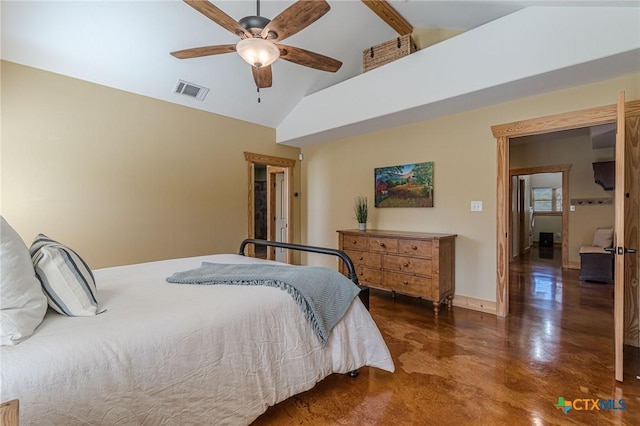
<point>285,163</point>
<point>503,132</point>
<point>626,282</point>
<point>558,168</point>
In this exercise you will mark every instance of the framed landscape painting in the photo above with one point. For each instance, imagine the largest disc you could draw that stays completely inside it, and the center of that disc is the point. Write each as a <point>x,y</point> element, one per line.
<point>409,185</point>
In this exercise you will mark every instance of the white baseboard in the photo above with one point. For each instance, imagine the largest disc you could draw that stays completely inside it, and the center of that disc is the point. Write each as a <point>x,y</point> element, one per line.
<point>472,303</point>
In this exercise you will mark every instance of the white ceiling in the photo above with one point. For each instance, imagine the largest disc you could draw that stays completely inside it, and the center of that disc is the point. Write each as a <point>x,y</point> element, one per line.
<point>126,45</point>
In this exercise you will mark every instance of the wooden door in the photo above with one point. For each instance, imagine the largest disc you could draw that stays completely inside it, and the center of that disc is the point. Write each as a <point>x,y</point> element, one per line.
<point>618,303</point>
<point>277,217</point>
<point>280,219</point>
<point>627,234</point>
<point>627,268</point>
<point>632,232</point>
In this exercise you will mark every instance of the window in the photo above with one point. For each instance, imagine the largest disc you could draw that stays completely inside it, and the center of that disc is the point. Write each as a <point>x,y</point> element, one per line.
<point>546,200</point>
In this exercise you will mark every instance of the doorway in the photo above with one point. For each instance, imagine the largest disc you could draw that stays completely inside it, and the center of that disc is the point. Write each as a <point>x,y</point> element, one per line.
<point>627,117</point>
<point>272,167</point>
<point>260,203</point>
<point>522,217</point>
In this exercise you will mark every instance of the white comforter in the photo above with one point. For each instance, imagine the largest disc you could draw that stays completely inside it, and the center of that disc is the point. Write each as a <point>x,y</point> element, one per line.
<point>179,354</point>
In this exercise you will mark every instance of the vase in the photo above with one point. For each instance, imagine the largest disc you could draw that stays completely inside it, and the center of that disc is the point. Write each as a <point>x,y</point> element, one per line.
<point>362,226</point>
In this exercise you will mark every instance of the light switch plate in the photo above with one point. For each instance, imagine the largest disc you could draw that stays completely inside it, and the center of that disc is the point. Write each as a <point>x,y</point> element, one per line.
<point>476,206</point>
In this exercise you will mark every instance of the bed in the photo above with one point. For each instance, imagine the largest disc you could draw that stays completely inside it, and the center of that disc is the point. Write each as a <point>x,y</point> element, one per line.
<point>163,353</point>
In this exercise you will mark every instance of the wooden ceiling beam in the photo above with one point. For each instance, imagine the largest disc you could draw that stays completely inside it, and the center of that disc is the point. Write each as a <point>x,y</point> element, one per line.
<point>388,14</point>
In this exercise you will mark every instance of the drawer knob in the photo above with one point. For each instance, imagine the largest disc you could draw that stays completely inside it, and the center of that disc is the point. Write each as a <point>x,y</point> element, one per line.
<point>406,265</point>
<point>361,258</point>
<point>405,282</point>
<point>382,245</point>
<point>353,241</point>
<point>414,247</point>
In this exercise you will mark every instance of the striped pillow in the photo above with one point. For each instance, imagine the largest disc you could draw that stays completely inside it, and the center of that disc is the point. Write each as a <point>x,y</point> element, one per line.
<point>66,279</point>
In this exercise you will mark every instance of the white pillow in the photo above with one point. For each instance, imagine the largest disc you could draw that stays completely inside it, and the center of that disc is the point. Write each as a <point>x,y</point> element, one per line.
<point>603,237</point>
<point>23,304</point>
<point>66,279</point>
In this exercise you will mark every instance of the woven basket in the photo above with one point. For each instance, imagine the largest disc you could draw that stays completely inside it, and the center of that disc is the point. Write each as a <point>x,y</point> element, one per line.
<point>387,52</point>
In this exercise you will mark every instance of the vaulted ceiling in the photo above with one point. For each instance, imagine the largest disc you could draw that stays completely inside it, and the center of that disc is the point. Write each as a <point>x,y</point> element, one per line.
<point>126,45</point>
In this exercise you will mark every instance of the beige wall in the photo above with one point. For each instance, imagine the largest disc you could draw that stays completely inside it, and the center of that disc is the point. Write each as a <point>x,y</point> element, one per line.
<point>123,178</point>
<point>575,150</point>
<point>464,152</point>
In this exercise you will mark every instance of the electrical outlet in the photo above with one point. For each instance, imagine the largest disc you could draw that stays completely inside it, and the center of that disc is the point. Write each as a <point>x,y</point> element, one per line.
<point>572,208</point>
<point>476,206</point>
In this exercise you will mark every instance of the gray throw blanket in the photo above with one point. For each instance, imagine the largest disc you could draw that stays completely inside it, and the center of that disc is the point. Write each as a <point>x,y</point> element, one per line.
<point>324,295</point>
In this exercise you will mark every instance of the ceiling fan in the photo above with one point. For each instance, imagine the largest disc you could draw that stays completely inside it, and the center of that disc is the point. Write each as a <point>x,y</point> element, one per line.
<point>259,35</point>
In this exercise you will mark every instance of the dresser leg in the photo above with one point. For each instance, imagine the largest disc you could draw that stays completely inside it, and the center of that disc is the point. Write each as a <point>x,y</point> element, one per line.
<point>450,301</point>
<point>436,307</point>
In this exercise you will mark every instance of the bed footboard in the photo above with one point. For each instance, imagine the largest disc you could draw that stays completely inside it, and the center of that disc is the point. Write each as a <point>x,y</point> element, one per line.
<point>364,291</point>
<point>312,249</point>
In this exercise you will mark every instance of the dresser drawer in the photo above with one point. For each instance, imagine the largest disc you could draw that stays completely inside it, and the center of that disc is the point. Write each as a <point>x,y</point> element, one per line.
<point>418,248</point>
<point>409,284</point>
<point>356,242</point>
<point>383,245</point>
<point>369,276</point>
<point>409,265</point>
<point>418,264</point>
<point>364,258</point>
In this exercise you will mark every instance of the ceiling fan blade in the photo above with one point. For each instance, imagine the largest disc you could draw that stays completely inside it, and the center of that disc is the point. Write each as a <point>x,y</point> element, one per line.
<point>309,59</point>
<point>295,18</point>
<point>218,16</point>
<point>262,76</point>
<point>197,52</point>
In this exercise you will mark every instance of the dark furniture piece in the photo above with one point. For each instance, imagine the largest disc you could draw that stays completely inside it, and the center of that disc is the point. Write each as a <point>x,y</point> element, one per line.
<point>596,265</point>
<point>546,239</point>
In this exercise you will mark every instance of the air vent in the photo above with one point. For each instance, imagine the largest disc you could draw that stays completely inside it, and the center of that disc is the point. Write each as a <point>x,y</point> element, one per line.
<point>191,90</point>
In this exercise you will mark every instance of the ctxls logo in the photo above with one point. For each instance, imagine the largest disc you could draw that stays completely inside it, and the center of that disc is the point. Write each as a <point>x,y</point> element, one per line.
<point>589,404</point>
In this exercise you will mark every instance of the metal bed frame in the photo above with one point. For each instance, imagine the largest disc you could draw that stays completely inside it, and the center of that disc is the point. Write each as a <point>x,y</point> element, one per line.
<point>300,247</point>
<point>364,291</point>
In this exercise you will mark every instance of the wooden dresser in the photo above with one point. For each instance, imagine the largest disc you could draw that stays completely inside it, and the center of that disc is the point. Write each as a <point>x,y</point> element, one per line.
<point>413,263</point>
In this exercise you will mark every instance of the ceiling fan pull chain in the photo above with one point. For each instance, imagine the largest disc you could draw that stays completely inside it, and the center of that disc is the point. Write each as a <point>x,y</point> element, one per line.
<point>258,81</point>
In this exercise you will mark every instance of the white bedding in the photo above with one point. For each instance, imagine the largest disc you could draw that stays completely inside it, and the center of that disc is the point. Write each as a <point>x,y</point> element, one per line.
<point>179,354</point>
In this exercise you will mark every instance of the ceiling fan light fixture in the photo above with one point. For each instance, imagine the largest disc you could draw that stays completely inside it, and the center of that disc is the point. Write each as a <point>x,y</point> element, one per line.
<point>257,51</point>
